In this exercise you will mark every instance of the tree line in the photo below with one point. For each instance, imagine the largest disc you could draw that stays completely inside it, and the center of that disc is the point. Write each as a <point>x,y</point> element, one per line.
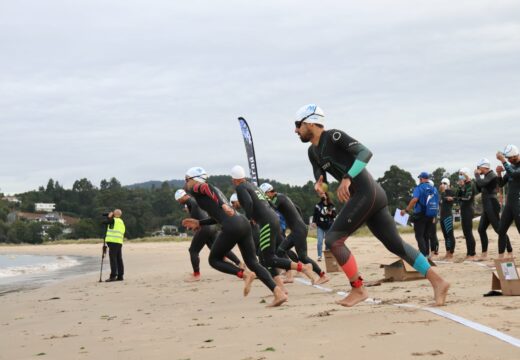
<point>146,209</point>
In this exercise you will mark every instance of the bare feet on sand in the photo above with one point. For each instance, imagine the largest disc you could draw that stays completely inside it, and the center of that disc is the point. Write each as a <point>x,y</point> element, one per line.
<point>279,282</point>
<point>440,291</point>
<point>307,271</point>
<point>448,256</point>
<point>289,277</point>
<point>323,279</point>
<point>355,296</point>
<point>192,278</point>
<point>469,258</point>
<point>279,297</point>
<point>248,281</point>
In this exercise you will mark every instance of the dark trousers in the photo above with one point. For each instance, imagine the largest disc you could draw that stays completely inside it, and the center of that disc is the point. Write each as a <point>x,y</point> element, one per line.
<point>422,227</point>
<point>434,240</point>
<point>115,252</point>
<point>466,218</point>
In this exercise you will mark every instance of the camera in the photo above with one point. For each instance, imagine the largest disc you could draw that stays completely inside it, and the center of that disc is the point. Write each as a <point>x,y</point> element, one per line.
<point>105,214</point>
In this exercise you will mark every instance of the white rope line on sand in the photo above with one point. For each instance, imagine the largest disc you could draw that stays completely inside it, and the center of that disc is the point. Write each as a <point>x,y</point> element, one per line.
<point>471,324</point>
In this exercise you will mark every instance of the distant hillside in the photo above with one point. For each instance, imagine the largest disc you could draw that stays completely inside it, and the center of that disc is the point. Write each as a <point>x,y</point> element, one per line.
<point>156,184</point>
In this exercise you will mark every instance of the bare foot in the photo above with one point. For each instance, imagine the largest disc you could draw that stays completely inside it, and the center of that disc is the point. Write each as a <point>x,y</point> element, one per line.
<point>279,297</point>
<point>469,258</point>
<point>448,256</point>
<point>509,255</point>
<point>289,277</point>
<point>242,265</point>
<point>192,278</point>
<point>323,279</point>
<point>355,296</point>
<point>307,271</point>
<point>440,291</point>
<point>279,282</point>
<point>248,281</point>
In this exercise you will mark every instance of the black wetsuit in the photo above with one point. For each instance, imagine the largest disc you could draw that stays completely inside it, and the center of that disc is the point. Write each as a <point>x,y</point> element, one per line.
<point>257,208</point>
<point>342,156</point>
<point>447,220</point>
<point>511,210</point>
<point>206,235</point>
<point>466,197</point>
<point>298,235</point>
<point>490,210</point>
<point>235,230</point>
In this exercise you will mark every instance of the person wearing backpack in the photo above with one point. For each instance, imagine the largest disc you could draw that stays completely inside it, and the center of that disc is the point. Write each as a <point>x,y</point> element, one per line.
<point>466,197</point>
<point>425,204</point>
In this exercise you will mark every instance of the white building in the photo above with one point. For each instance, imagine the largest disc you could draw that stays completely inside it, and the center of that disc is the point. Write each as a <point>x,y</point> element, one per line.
<point>44,207</point>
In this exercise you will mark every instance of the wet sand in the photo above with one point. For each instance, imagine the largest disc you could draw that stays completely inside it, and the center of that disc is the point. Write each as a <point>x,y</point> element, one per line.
<point>153,314</point>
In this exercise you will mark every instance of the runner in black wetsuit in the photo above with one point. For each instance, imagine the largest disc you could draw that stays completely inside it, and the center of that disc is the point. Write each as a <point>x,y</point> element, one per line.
<point>466,197</point>
<point>488,186</point>
<point>511,165</point>
<point>257,208</point>
<point>335,152</point>
<point>298,235</point>
<point>235,230</point>
<point>206,235</point>
<point>446,202</point>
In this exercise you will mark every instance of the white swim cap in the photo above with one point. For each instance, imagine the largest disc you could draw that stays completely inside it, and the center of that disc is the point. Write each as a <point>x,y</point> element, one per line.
<point>484,163</point>
<point>510,151</point>
<point>311,114</point>
<point>179,194</point>
<point>197,173</point>
<point>237,172</point>
<point>266,187</point>
<point>233,197</point>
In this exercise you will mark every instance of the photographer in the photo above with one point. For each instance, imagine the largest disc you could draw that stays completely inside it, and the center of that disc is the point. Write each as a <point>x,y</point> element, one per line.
<point>114,239</point>
<point>323,217</point>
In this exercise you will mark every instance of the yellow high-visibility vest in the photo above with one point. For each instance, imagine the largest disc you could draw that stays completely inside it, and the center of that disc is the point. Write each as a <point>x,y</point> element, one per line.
<point>117,233</point>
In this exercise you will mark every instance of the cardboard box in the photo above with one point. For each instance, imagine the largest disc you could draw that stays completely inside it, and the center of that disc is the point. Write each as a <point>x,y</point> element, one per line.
<point>400,270</point>
<point>506,277</point>
<point>331,265</point>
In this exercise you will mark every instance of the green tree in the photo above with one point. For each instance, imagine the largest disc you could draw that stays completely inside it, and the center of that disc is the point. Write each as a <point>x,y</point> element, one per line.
<point>398,185</point>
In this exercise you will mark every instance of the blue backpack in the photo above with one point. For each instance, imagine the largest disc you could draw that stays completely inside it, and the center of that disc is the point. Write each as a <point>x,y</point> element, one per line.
<point>429,200</point>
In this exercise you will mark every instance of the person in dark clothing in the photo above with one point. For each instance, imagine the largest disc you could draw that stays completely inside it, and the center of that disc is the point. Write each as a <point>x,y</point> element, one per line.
<point>466,197</point>
<point>235,231</point>
<point>434,240</point>
<point>322,218</point>
<point>487,183</point>
<point>257,209</point>
<point>206,235</point>
<point>336,153</point>
<point>298,236</point>
<point>510,159</point>
<point>446,202</point>
<point>422,224</point>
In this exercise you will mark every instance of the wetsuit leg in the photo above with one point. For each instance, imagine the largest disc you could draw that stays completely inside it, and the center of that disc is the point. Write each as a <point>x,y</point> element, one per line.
<point>197,243</point>
<point>434,240</point>
<point>383,227</point>
<point>268,240</point>
<point>300,244</point>
<point>247,249</point>
<point>422,236</point>
<point>447,230</point>
<point>506,219</point>
<point>223,244</point>
<point>466,213</point>
<point>482,227</point>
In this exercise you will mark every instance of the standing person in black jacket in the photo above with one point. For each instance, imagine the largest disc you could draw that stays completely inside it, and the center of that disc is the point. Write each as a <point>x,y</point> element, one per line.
<point>322,218</point>
<point>487,183</point>
<point>446,202</point>
<point>466,196</point>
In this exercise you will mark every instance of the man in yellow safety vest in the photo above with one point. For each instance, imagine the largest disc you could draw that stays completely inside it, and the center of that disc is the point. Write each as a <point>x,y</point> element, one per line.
<point>114,239</point>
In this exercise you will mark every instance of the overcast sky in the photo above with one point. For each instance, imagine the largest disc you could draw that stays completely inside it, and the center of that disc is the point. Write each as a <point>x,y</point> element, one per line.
<point>143,90</point>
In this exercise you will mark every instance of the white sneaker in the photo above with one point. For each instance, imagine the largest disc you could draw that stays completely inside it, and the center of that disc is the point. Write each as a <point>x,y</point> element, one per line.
<point>319,258</point>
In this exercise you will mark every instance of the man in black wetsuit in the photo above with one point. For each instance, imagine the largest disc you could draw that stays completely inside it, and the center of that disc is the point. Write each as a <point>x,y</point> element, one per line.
<point>446,202</point>
<point>257,208</point>
<point>510,160</point>
<point>487,183</point>
<point>298,235</point>
<point>336,153</point>
<point>235,231</point>
<point>206,235</point>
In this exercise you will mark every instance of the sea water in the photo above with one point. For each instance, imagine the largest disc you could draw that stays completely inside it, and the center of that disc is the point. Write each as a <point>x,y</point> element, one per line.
<point>20,271</point>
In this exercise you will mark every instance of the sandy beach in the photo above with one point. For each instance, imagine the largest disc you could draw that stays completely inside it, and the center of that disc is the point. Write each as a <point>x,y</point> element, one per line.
<point>153,314</point>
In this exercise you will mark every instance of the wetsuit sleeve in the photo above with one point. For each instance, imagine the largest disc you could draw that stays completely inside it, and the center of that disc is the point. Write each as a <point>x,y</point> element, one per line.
<point>316,169</point>
<point>483,182</point>
<point>361,153</point>
<point>208,221</point>
<point>207,190</point>
<point>245,200</point>
<point>467,192</point>
<point>502,180</point>
<point>445,195</point>
<point>514,173</point>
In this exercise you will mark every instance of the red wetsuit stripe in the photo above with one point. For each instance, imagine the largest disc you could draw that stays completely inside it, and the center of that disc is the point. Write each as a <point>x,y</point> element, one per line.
<point>350,267</point>
<point>205,190</point>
